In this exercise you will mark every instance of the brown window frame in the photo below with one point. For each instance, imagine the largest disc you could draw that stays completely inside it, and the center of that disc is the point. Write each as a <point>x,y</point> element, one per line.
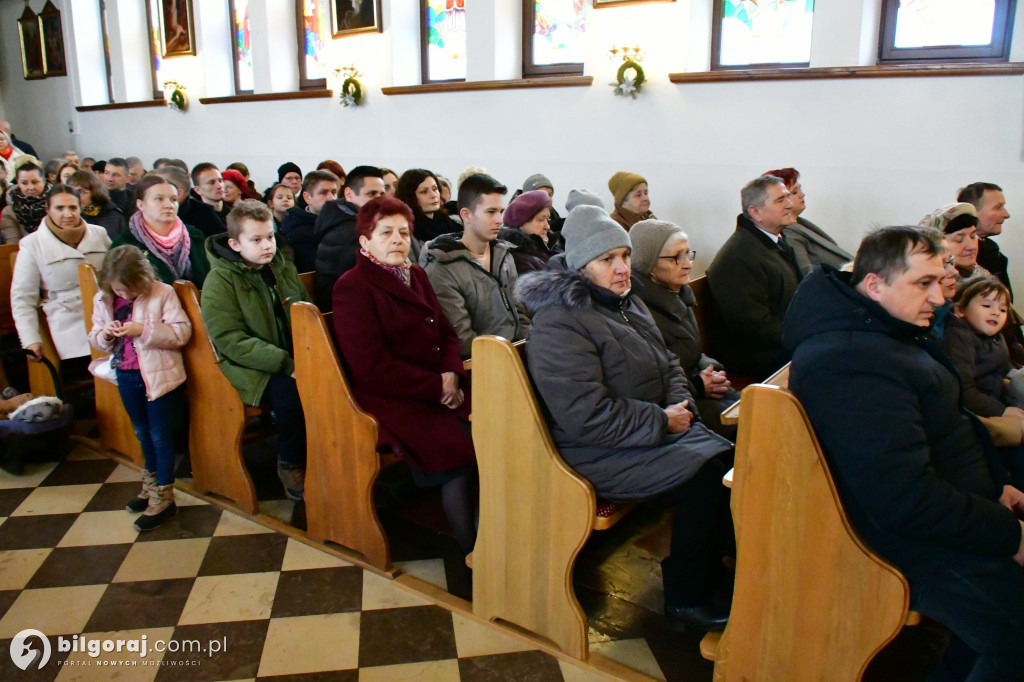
<point>996,51</point>
<point>158,92</point>
<point>305,82</point>
<point>234,53</point>
<point>531,70</point>
<point>716,48</point>
<point>106,49</point>
<point>424,42</point>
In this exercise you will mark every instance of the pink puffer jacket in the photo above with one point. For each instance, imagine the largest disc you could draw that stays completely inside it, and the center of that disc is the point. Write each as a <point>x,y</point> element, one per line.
<point>165,330</point>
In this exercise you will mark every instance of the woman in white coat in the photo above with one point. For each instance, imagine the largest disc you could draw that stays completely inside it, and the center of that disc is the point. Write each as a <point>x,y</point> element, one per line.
<point>46,275</point>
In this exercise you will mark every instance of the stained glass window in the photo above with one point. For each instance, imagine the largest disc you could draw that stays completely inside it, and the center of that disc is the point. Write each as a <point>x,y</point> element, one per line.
<point>763,32</point>
<point>946,29</point>
<point>444,40</point>
<point>153,8</point>
<point>242,46</point>
<point>558,29</point>
<point>315,31</point>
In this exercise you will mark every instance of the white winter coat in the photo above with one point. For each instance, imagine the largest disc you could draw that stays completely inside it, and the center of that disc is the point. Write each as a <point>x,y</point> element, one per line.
<point>47,270</point>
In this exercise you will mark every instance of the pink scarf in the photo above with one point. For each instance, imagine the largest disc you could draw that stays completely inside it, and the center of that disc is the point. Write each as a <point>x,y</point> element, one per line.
<point>173,249</point>
<point>402,272</point>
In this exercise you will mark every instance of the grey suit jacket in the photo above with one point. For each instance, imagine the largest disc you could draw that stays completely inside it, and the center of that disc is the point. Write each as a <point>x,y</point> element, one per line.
<point>811,245</point>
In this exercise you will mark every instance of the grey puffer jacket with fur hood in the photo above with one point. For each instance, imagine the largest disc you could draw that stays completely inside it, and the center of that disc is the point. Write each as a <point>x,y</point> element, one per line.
<point>606,388</point>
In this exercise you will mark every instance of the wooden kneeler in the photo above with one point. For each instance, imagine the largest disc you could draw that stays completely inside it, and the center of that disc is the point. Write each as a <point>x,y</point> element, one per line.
<point>812,602</point>
<point>536,513</point>
<point>116,430</point>
<point>341,439</point>
<point>217,415</point>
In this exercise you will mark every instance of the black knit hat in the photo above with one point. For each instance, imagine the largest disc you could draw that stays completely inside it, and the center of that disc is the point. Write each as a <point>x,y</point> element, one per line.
<point>286,168</point>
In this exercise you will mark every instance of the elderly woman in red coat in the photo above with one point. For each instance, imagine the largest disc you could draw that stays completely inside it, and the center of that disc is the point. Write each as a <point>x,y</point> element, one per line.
<point>403,360</point>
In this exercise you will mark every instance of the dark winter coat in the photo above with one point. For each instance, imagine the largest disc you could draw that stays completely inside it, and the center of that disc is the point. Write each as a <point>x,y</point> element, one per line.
<point>196,256</point>
<point>982,362</point>
<point>531,253</point>
<point>244,324</point>
<point>673,313</point>
<point>751,281</point>
<point>337,246</point>
<point>201,216</point>
<point>299,227</point>
<point>111,218</point>
<point>811,245</point>
<point>474,300</point>
<point>918,475</point>
<point>396,343</point>
<point>606,387</point>
<point>426,228</point>
<point>993,260</point>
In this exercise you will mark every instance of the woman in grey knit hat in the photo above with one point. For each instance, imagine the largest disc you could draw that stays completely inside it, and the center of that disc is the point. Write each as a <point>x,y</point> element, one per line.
<point>621,411</point>
<point>662,261</point>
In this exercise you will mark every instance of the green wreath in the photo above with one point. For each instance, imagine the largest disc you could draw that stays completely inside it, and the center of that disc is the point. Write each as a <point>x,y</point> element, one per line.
<point>351,91</point>
<point>179,100</point>
<point>630,64</point>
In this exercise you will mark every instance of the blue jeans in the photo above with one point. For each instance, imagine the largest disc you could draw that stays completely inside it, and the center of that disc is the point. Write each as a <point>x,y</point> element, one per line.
<point>153,421</point>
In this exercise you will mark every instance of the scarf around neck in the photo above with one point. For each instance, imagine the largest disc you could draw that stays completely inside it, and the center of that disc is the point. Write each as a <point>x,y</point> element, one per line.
<point>28,210</point>
<point>403,272</point>
<point>173,249</point>
<point>72,236</point>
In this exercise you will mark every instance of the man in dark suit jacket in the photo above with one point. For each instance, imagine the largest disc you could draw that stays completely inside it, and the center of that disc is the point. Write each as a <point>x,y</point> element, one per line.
<point>990,203</point>
<point>751,281</point>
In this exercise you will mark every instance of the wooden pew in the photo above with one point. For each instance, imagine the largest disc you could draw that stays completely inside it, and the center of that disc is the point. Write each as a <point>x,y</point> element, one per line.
<point>40,382</point>
<point>116,431</point>
<point>308,280</point>
<point>812,602</point>
<point>536,513</point>
<point>341,440</point>
<point>217,415</point>
<point>731,415</point>
<point>6,275</point>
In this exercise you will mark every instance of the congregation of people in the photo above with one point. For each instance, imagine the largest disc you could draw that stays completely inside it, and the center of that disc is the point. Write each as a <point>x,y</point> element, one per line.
<point>897,351</point>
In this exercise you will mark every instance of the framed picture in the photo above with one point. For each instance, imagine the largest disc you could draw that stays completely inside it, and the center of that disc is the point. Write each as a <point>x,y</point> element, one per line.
<point>356,16</point>
<point>31,45</point>
<point>616,3</point>
<point>53,40</point>
<point>177,29</point>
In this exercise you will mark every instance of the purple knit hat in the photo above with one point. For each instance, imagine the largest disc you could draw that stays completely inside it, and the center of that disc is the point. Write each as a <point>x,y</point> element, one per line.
<point>524,207</point>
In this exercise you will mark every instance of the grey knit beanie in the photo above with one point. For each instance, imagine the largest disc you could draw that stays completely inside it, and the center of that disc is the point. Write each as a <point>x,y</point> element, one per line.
<point>582,197</point>
<point>536,181</point>
<point>589,232</point>
<point>649,237</point>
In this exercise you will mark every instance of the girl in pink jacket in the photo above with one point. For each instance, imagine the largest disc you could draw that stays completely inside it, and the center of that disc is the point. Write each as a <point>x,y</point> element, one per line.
<point>139,321</point>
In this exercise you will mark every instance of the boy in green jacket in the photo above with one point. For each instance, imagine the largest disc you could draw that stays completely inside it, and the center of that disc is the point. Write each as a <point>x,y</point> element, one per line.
<point>245,304</point>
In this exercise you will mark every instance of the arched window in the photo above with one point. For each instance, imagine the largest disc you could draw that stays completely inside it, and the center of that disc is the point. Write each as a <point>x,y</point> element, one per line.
<point>751,33</point>
<point>443,40</point>
<point>947,30</point>
<point>553,32</point>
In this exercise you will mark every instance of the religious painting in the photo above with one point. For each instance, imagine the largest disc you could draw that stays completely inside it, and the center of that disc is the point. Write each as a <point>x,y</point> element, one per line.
<point>616,3</point>
<point>177,30</point>
<point>53,41</point>
<point>32,62</point>
<point>356,16</point>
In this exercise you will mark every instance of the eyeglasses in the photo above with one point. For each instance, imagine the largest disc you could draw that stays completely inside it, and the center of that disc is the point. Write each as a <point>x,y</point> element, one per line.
<point>678,258</point>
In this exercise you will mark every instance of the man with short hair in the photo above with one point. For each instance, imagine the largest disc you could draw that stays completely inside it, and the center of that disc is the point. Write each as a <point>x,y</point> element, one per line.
<point>473,273</point>
<point>918,475</point>
<point>72,158</point>
<point>751,280</point>
<point>192,211</point>
<point>299,224</point>
<point>990,203</point>
<point>135,170</point>
<point>335,231</point>
<point>208,187</point>
<point>115,177</point>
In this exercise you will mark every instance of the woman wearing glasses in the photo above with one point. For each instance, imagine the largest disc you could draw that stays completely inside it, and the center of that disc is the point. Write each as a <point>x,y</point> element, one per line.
<point>662,261</point>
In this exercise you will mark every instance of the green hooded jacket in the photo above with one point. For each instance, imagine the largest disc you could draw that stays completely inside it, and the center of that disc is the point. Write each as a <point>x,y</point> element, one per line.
<point>238,310</point>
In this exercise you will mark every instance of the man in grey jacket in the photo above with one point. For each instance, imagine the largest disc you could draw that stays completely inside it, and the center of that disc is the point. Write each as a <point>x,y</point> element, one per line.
<point>473,275</point>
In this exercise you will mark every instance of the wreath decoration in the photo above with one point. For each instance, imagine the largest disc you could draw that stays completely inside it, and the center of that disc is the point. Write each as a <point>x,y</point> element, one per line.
<point>177,100</point>
<point>351,92</point>
<point>626,84</point>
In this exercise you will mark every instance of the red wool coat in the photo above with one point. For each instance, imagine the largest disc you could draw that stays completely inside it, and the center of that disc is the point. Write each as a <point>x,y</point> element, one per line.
<point>395,343</point>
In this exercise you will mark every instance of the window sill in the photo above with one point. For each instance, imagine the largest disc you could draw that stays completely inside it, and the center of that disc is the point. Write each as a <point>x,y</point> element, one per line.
<point>267,97</point>
<point>124,105</point>
<point>462,86</point>
<point>883,71</point>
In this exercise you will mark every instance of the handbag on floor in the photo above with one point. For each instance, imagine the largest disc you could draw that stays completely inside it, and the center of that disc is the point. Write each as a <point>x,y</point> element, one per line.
<point>40,430</point>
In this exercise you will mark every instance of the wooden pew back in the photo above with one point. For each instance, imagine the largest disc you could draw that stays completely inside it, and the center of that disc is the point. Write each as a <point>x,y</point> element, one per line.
<point>812,602</point>
<point>536,513</point>
<point>40,381</point>
<point>6,276</point>
<point>217,415</point>
<point>116,430</point>
<point>341,439</point>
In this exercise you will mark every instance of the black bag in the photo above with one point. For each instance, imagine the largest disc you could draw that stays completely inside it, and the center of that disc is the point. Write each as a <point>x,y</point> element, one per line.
<point>24,442</point>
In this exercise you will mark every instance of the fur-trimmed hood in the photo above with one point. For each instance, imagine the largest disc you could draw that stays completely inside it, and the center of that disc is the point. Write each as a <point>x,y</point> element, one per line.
<point>543,289</point>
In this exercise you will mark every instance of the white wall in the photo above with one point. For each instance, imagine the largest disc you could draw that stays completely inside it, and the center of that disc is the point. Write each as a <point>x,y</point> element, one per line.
<point>872,151</point>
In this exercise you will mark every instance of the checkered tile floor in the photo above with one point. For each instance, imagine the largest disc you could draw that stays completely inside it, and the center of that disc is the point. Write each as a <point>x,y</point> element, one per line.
<point>72,563</point>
